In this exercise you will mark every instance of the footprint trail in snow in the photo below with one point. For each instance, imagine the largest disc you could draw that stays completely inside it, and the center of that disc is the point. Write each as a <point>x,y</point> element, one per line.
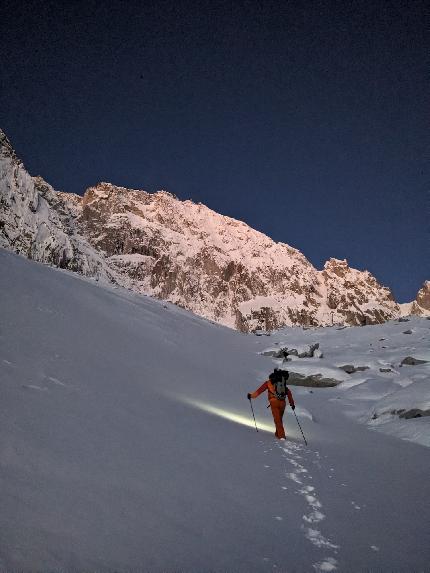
<point>300,476</point>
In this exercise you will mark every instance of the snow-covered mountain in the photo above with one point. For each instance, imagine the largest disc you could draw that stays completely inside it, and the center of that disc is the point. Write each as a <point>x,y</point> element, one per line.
<point>127,442</point>
<point>38,222</point>
<point>219,267</point>
<point>212,265</point>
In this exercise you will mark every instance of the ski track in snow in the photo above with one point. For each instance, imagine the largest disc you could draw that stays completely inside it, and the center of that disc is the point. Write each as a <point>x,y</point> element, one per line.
<point>55,381</point>
<point>301,476</point>
<point>34,387</point>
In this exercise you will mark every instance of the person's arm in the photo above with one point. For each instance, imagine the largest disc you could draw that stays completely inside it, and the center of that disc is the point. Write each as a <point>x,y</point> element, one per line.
<point>291,399</point>
<point>259,391</point>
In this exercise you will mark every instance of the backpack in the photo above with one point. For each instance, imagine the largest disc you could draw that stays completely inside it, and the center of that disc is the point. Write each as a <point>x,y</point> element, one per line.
<point>279,382</point>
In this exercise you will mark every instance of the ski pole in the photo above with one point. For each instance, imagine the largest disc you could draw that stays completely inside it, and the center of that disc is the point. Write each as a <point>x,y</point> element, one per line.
<point>300,427</point>
<point>253,415</point>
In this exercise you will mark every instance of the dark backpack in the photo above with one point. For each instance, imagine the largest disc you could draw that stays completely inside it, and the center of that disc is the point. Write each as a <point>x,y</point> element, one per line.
<point>279,382</point>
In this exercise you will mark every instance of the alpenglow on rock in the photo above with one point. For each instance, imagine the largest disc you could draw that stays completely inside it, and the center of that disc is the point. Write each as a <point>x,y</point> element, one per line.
<point>421,305</point>
<point>423,296</point>
<point>183,252</point>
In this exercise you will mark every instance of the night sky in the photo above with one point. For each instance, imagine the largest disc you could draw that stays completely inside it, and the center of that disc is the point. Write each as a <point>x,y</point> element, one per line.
<point>307,120</point>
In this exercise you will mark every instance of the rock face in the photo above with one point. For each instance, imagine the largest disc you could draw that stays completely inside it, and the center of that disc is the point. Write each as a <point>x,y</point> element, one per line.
<point>423,296</point>
<point>220,268</point>
<point>180,251</point>
<point>421,305</point>
<point>37,222</point>
<point>356,296</point>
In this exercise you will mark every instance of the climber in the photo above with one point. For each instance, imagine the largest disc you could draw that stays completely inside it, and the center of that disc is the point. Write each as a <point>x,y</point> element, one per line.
<point>277,391</point>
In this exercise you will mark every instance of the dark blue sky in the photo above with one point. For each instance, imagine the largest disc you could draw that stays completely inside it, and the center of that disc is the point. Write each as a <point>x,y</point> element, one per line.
<point>307,120</point>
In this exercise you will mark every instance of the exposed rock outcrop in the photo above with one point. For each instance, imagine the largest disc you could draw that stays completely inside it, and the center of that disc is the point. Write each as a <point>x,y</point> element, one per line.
<point>411,361</point>
<point>404,414</point>
<point>351,369</point>
<point>423,296</point>
<point>421,305</point>
<point>312,380</point>
<point>356,295</point>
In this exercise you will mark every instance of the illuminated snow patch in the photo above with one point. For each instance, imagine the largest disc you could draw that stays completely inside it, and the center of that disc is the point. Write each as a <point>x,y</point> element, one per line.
<point>232,416</point>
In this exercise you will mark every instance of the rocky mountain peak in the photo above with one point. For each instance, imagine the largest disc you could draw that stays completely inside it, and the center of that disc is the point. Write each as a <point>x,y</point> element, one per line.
<point>423,296</point>
<point>337,266</point>
<point>6,149</point>
<point>220,267</point>
<point>184,252</point>
<point>104,192</point>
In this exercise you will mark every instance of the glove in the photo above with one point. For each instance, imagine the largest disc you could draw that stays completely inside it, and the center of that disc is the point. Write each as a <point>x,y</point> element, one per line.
<point>248,396</point>
<point>293,407</point>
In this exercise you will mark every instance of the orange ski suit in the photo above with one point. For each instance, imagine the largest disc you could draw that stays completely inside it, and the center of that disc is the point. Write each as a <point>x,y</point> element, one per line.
<point>277,406</point>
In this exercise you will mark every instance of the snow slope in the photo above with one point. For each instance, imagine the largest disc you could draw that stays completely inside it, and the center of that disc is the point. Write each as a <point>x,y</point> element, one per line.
<point>126,442</point>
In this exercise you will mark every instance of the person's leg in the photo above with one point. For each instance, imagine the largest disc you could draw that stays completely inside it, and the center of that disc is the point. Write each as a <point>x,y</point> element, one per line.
<point>278,407</point>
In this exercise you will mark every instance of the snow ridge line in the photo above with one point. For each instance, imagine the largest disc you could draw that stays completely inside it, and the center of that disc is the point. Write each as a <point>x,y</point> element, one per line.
<point>291,452</point>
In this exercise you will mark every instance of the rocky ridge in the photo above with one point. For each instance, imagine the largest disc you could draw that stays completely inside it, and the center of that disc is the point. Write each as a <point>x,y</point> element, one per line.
<point>38,222</point>
<point>421,305</point>
<point>220,268</point>
<point>183,252</point>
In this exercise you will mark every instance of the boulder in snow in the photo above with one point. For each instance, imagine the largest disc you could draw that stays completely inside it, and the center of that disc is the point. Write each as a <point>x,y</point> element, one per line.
<point>308,351</point>
<point>350,368</point>
<point>313,380</point>
<point>269,352</point>
<point>411,361</point>
<point>413,413</point>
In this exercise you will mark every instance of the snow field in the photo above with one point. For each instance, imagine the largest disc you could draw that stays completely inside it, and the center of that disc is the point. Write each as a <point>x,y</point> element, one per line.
<point>127,443</point>
<point>386,389</point>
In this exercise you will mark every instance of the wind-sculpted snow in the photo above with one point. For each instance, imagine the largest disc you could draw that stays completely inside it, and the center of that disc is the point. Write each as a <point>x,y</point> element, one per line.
<point>127,442</point>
